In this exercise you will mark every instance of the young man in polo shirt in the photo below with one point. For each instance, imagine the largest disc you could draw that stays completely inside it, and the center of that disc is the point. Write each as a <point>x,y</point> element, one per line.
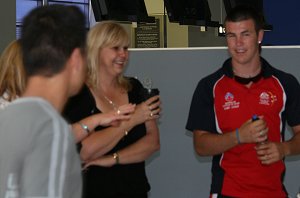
<point>247,152</point>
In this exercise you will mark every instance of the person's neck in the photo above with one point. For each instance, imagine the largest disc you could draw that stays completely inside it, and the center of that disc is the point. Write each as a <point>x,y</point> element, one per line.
<point>108,91</point>
<point>249,73</point>
<point>106,85</point>
<point>246,71</point>
<point>49,89</point>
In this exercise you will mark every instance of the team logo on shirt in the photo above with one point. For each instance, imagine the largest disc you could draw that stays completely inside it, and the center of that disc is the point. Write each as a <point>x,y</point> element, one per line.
<point>267,98</point>
<point>230,103</point>
<point>229,97</point>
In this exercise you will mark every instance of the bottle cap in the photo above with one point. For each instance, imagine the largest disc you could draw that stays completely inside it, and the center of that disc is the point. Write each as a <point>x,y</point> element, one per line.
<point>255,117</point>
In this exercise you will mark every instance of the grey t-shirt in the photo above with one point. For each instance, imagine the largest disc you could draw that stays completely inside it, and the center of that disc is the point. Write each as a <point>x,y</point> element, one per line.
<point>38,157</point>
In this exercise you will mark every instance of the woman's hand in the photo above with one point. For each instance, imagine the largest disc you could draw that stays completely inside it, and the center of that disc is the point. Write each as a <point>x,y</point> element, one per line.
<point>112,117</point>
<point>147,110</point>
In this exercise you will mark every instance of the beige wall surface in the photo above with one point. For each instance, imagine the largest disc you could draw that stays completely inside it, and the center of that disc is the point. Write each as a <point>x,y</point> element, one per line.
<point>154,6</point>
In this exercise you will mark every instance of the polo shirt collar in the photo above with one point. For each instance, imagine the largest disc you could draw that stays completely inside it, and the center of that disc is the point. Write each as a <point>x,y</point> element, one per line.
<point>266,68</point>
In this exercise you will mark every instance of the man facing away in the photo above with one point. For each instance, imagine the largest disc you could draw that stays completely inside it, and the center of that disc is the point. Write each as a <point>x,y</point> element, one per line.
<point>248,151</point>
<point>38,157</point>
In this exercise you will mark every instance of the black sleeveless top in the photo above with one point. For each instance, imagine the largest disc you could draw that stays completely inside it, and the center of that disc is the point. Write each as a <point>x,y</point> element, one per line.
<point>103,181</point>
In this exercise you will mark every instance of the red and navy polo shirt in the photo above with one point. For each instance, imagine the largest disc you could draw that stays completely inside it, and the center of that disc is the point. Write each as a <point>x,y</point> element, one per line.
<point>220,105</point>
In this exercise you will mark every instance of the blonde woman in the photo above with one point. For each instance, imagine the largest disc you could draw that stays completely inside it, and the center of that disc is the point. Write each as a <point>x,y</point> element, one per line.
<point>12,85</point>
<point>12,75</point>
<point>117,169</point>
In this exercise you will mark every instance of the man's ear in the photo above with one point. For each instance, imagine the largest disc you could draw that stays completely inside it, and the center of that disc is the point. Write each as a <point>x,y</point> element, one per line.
<point>76,60</point>
<point>260,36</point>
<point>76,71</point>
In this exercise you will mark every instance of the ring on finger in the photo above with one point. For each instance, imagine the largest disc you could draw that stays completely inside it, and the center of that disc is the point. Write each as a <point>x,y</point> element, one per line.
<point>118,111</point>
<point>151,114</point>
<point>261,133</point>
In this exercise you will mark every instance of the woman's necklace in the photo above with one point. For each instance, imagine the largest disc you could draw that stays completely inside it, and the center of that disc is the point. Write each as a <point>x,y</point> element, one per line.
<point>115,107</point>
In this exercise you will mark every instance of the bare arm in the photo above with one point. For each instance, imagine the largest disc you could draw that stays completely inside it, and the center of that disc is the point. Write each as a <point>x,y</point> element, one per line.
<point>143,148</point>
<point>102,119</point>
<point>274,151</point>
<point>292,147</point>
<point>101,142</point>
<point>134,153</point>
<point>206,143</point>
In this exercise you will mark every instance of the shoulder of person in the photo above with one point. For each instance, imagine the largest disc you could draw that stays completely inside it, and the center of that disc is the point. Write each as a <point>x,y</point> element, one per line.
<point>135,82</point>
<point>284,77</point>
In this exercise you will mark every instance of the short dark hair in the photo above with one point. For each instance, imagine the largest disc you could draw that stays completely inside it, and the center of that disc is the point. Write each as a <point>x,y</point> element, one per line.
<point>49,36</point>
<point>245,12</point>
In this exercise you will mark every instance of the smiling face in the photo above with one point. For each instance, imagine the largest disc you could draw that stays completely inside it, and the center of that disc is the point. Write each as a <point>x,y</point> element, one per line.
<point>107,52</point>
<point>243,42</point>
<point>112,60</point>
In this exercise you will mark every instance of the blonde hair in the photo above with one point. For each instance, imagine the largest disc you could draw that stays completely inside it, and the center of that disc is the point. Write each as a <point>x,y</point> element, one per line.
<point>104,34</point>
<point>12,74</point>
